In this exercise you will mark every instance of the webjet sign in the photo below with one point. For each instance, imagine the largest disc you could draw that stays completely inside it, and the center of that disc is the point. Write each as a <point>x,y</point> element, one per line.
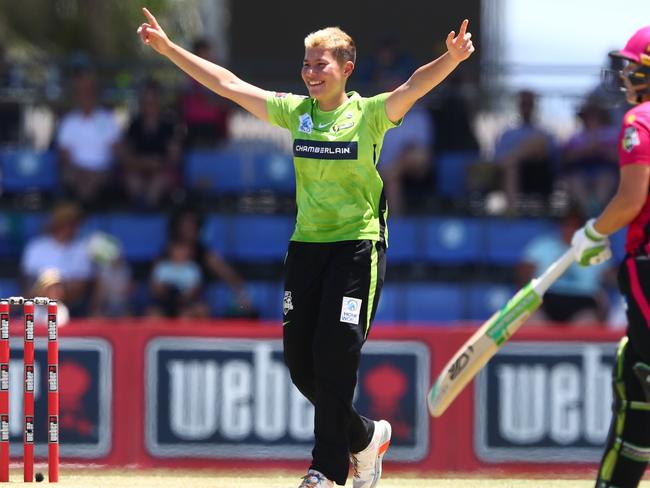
<point>233,398</point>
<point>544,402</point>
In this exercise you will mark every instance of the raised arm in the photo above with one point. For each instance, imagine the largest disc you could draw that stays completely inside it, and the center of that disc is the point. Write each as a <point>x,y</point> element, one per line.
<point>426,77</point>
<point>216,78</point>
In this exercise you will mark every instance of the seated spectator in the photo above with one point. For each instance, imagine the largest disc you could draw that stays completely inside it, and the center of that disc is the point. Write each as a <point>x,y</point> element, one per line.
<point>205,114</point>
<point>578,296</point>
<point>405,162</point>
<point>61,248</point>
<point>525,155</point>
<point>389,65</point>
<point>49,284</point>
<point>151,153</point>
<point>114,289</point>
<point>186,226</point>
<point>590,158</point>
<point>86,139</point>
<point>452,114</point>
<point>176,284</point>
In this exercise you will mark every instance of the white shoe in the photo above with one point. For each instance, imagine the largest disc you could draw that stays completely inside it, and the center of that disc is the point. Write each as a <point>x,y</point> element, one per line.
<point>366,464</point>
<point>315,479</point>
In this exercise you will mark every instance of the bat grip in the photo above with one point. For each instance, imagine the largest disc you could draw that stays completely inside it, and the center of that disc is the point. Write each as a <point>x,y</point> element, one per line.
<point>554,271</point>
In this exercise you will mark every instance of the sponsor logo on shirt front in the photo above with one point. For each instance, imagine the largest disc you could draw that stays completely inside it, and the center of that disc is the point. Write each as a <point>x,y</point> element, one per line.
<point>325,149</point>
<point>338,127</point>
<point>306,124</point>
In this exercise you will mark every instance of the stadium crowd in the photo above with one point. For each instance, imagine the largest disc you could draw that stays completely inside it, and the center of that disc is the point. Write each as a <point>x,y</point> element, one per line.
<point>137,162</point>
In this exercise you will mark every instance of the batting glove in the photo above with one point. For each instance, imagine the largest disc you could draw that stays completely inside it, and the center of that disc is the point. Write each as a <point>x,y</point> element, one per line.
<point>590,246</point>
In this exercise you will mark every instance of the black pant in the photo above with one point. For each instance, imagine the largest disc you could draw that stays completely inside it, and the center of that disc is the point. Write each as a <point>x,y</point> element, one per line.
<point>331,295</point>
<point>634,284</point>
<point>629,425</point>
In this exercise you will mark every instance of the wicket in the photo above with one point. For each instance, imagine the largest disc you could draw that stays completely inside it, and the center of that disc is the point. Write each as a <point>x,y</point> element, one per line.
<point>29,382</point>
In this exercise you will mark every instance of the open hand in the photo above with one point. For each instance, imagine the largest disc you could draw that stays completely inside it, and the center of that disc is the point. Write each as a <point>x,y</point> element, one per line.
<point>152,34</point>
<point>460,48</point>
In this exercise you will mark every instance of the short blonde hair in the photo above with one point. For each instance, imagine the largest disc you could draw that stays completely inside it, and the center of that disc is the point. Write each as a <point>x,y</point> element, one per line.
<point>333,38</point>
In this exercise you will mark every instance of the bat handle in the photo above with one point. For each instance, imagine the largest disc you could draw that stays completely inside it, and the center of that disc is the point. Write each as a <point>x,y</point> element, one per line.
<point>554,271</point>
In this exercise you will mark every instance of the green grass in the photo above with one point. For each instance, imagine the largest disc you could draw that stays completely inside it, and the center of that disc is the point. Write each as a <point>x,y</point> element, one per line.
<point>138,478</point>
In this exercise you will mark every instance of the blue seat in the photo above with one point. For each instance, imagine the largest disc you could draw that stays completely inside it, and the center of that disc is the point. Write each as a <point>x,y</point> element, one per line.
<point>223,302</point>
<point>143,237</point>
<point>32,224</point>
<point>9,288</point>
<point>453,241</point>
<point>214,172</point>
<point>274,171</point>
<point>506,239</point>
<point>261,238</point>
<point>404,242</point>
<point>94,223</point>
<point>217,234</point>
<point>452,171</point>
<point>433,302</point>
<point>483,299</point>
<point>10,237</point>
<point>26,169</point>
<point>389,308</point>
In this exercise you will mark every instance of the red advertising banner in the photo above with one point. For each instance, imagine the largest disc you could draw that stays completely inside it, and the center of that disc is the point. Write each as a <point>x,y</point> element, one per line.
<point>217,394</point>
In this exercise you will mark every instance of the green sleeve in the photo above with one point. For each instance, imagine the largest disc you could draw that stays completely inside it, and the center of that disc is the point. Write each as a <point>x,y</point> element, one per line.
<point>375,112</point>
<point>280,106</point>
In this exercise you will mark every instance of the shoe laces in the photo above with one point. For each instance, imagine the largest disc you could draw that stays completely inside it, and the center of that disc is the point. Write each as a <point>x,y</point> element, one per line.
<point>355,465</point>
<point>311,480</point>
<point>363,461</point>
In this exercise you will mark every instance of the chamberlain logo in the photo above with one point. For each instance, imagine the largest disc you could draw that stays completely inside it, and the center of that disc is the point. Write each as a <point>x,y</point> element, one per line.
<point>233,398</point>
<point>544,402</point>
<point>325,149</point>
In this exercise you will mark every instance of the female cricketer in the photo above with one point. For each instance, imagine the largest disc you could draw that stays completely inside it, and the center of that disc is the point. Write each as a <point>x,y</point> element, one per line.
<point>335,264</point>
<point>628,445</point>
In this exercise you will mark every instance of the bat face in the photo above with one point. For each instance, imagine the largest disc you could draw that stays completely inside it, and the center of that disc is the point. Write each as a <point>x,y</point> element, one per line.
<point>487,340</point>
<point>478,350</point>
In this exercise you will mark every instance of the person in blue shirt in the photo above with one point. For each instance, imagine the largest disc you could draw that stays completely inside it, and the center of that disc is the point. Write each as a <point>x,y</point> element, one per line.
<point>578,295</point>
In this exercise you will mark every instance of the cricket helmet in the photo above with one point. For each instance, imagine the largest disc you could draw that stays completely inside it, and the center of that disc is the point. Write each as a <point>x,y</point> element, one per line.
<point>636,75</point>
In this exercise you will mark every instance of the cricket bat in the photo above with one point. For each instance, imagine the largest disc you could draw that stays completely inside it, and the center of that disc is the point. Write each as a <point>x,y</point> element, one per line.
<point>489,338</point>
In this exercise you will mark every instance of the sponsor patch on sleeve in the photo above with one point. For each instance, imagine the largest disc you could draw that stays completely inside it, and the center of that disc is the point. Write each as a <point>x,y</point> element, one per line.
<point>630,138</point>
<point>351,310</point>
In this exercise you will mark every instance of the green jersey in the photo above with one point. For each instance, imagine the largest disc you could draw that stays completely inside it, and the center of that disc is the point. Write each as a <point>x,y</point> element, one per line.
<point>339,192</point>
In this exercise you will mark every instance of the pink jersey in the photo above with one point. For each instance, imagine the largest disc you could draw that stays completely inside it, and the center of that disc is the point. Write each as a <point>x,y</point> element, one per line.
<point>634,148</point>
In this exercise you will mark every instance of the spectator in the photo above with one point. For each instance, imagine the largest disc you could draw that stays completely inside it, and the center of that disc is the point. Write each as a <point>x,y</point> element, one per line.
<point>205,115</point>
<point>113,291</point>
<point>578,296</point>
<point>405,157</point>
<point>405,162</point>
<point>590,158</point>
<point>61,248</point>
<point>49,284</point>
<point>151,152</point>
<point>176,284</point>
<point>525,155</point>
<point>186,226</point>
<point>388,67</point>
<point>452,116</point>
<point>86,141</point>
